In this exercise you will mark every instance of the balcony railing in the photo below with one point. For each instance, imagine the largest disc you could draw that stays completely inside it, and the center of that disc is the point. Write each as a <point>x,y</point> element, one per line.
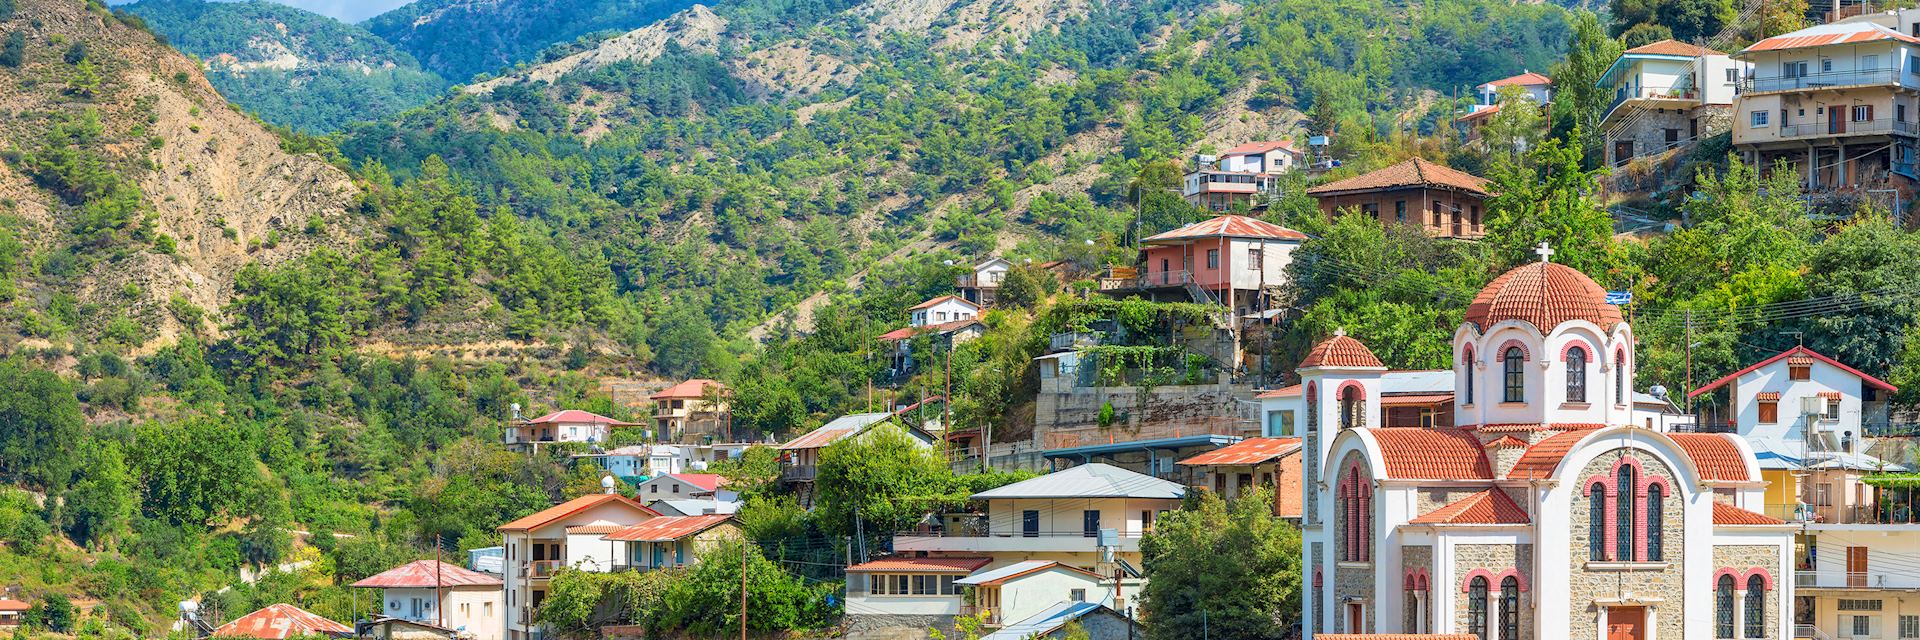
<point>1148,281</point>
<point>1702,427</point>
<point>1843,127</point>
<point>542,568</point>
<point>1072,339</point>
<point>993,613</point>
<point>1652,93</point>
<point>1792,512</point>
<point>1846,580</point>
<point>1825,80</point>
<point>798,473</point>
<point>1867,514</point>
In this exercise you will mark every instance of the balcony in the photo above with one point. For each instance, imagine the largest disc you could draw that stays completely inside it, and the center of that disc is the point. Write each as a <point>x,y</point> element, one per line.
<point>1068,341</point>
<point>1901,514</point>
<point>976,541</point>
<point>1656,98</point>
<point>798,473</point>
<point>1837,128</point>
<point>1792,512</point>
<point>993,613</point>
<point>1817,81</point>
<point>1147,281</point>
<point>1703,427</point>
<point>1815,579</point>
<point>541,569</point>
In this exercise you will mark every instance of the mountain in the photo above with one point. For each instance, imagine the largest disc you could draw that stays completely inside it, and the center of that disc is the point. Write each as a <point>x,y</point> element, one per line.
<point>461,38</point>
<point>134,195</point>
<point>294,68</point>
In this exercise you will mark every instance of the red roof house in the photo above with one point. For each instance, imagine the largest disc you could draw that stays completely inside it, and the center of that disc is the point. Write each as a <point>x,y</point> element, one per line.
<point>428,574</point>
<point>281,621</point>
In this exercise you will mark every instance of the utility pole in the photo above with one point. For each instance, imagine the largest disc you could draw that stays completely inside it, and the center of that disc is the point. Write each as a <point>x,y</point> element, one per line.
<point>1689,394</point>
<point>743,590</point>
<point>440,599</point>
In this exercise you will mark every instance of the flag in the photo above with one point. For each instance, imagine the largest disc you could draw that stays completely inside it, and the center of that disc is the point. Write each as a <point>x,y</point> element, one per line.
<point>1619,297</point>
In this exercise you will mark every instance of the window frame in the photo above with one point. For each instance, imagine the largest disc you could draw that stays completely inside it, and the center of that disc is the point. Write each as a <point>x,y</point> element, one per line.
<point>1597,523</point>
<point>1513,365</point>
<point>1510,608</point>
<point>1758,119</point>
<point>1656,519</point>
<point>1756,608</point>
<point>1723,603</point>
<point>1769,411</point>
<point>1477,607</point>
<point>1577,375</point>
<point>1624,508</point>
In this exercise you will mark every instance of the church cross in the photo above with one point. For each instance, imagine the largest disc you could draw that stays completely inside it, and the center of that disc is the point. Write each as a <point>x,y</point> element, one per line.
<point>1546,252</point>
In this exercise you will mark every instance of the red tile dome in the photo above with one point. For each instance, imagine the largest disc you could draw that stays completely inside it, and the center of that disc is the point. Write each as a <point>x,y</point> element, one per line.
<point>1340,350</point>
<point>1543,294</point>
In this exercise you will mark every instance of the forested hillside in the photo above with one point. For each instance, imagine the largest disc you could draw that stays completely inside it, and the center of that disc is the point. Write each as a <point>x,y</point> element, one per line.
<point>460,38</point>
<point>295,69</point>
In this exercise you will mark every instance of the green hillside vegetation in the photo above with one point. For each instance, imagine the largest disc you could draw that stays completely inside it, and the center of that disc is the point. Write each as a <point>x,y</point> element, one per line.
<point>460,38</point>
<point>294,68</point>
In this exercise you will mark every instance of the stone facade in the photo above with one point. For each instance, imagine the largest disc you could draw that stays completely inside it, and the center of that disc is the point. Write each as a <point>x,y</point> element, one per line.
<point>1648,131</point>
<point>895,627</point>
<point>1742,558</point>
<point>1353,580</point>
<point>1494,559</point>
<point>1659,584</point>
<point>1415,558</point>
<point>1317,555</point>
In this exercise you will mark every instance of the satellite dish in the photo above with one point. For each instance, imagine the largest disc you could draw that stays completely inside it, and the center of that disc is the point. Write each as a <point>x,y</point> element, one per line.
<point>606,483</point>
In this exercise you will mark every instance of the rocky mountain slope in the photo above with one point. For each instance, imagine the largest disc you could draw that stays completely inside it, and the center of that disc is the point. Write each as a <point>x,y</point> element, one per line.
<point>460,38</point>
<point>134,192</point>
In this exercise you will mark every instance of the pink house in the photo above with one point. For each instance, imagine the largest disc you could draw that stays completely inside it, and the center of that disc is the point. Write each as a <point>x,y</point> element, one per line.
<point>1227,260</point>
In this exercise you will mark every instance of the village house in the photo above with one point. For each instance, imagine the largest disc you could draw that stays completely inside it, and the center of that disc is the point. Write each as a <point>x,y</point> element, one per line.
<point>1537,87</point>
<point>675,486</point>
<point>1441,200</point>
<point>694,411</point>
<point>980,285</point>
<point>1839,103</point>
<point>669,542</point>
<point>570,425</point>
<point>569,534</point>
<point>1240,178</point>
<point>1100,622</point>
<point>1273,463</point>
<point>282,622</point>
<point>446,596</point>
<point>12,611</point>
<point>1666,94</point>
<point>952,318</point>
<point>800,457</point>
<point>1545,513</point>
<point>1230,260</point>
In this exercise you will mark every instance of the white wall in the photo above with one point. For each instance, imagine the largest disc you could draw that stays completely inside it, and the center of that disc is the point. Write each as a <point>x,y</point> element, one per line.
<point>1546,399</point>
<point>1776,377</point>
<point>1023,597</point>
<point>1064,517</point>
<point>1276,255</point>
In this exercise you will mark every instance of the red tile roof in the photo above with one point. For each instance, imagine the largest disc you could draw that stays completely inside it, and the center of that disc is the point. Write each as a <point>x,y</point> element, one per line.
<point>941,299</point>
<point>1830,34</point>
<point>1341,350</point>
<point>694,388</point>
<point>1544,456</point>
<point>1415,399</point>
<point>668,528</point>
<point>1715,454</point>
<point>1414,453</point>
<point>1672,48</point>
<point>707,481</point>
<point>1491,506</point>
<point>904,333</point>
<point>593,528</point>
<point>1482,112</point>
<point>1726,514</point>
<point>1767,396</point>
<point>1417,172</point>
<point>1290,391</point>
<point>1265,146</point>
<point>1543,294</point>
<point>1525,79</point>
<point>1228,226</point>
<point>555,513</point>
<point>576,415</point>
<point>817,438</point>
<point>1506,442</point>
<point>1395,636</point>
<point>1246,452</point>
<point>922,565</point>
<point>429,574</point>
<point>10,604</point>
<point>1530,427</point>
<point>1793,355</point>
<point>280,621</point>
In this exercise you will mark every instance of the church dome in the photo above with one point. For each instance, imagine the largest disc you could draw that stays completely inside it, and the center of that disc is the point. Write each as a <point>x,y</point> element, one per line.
<point>1341,350</point>
<point>1544,294</point>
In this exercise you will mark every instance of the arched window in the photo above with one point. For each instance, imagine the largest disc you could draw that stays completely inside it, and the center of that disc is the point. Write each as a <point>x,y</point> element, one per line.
<point>1352,409</point>
<point>1355,497</point>
<point>1756,606</point>
<point>1514,363</point>
<point>1509,608</point>
<point>1577,375</point>
<point>1597,524</point>
<point>1477,607</point>
<point>1468,398</point>
<point>1654,522</point>
<point>1619,377</point>
<point>1623,520</point>
<point>1723,608</point>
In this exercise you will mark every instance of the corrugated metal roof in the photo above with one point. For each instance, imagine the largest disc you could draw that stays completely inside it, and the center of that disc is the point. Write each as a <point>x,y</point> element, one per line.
<point>1017,570</point>
<point>668,528</point>
<point>1046,621</point>
<point>1417,381</point>
<point>921,565</point>
<point>1248,451</point>
<point>280,621</point>
<point>1829,34</point>
<point>1094,480</point>
<point>1228,226</point>
<point>831,432</point>
<point>427,573</point>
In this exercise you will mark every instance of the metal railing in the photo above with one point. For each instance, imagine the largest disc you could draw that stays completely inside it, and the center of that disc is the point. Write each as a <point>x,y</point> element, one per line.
<point>1794,512</point>
<point>541,568</point>
<point>1810,632</point>
<point>1844,127</point>
<point>798,473</point>
<point>1651,93</point>
<point>1703,427</point>
<point>1823,80</point>
<point>1868,514</point>
<point>1146,281</point>
<point>1071,339</point>
<point>1840,579</point>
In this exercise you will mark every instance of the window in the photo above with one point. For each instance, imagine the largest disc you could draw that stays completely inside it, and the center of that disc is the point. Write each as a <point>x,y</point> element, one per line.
<point>1255,260</point>
<point>1355,497</point>
<point>1077,595</point>
<point>1870,63</point>
<point>1833,408</point>
<point>1477,607</point>
<point>1623,518</point>
<point>1758,118</point>
<point>1213,258</point>
<point>1146,520</point>
<point>1769,411</point>
<point>1859,605</point>
<point>1826,65</point>
<point>1733,74</point>
<point>1800,371</point>
<point>1516,375</point>
<point>1509,608</point>
<point>1756,607</point>
<point>1030,523</point>
<point>1400,211</point>
<point>1862,113</point>
<point>1090,522</point>
<point>1723,608</point>
<point>1597,523</point>
<point>1352,409</point>
<point>1577,375</point>
<point>1862,627</point>
<point>1910,626</point>
<point>1655,519</point>
<point>913,585</point>
<point>1900,112</point>
<point>1436,212</point>
<point>1468,368</point>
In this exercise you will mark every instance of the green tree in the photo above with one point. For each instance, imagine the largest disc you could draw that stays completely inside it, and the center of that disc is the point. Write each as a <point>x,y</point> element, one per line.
<point>882,477</point>
<point>1232,563</point>
<point>1516,128</point>
<point>100,504</point>
<point>579,603</point>
<point>1578,99</point>
<point>56,613</point>
<point>13,52</point>
<point>40,421</point>
<point>1025,286</point>
<point>683,342</point>
<point>194,471</point>
<point>705,600</point>
<point>1546,201</point>
<point>1645,33</point>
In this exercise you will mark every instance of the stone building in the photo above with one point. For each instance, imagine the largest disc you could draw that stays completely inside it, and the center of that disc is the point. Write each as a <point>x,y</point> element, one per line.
<point>1546,512</point>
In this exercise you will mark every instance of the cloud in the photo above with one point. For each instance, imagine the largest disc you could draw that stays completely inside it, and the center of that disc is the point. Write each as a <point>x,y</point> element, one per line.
<point>346,10</point>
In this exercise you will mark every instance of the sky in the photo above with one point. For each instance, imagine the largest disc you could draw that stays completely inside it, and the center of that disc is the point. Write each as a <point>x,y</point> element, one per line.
<point>347,10</point>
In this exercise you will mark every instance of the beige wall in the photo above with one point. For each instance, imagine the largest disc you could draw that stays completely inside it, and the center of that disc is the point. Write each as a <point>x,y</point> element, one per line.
<point>1420,208</point>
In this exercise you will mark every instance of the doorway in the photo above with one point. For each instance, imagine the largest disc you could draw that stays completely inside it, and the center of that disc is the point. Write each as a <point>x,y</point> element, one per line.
<point>1622,152</point>
<point>1356,618</point>
<point>1626,623</point>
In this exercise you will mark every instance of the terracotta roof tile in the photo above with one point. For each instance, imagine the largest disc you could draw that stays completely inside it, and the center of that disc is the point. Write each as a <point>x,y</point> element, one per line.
<point>1245,452</point>
<point>556,512</point>
<point>1259,147</point>
<point>10,604</point>
<point>1544,456</point>
<point>1714,453</point>
<point>1415,399</point>
<point>1491,506</point>
<point>941,299</point>
<point>668,528</point>
<point>1341,350</point>
<point>1417,172</point>
<point>1414,453</point>
<point>1529,78</point>
<point>1290,391</point>
<point>1672,48</point>
<point>904,333</point>
<point>1530,427</point>
<point>1830,395</point>
<point>922,565</point>
<point>1726,514</point>
<point>1543,294</point>
<point>694,388</point>
<point>576,415</point>
<point>429,574</point>
<point>1395,636</point>
<point>1479,112</point>
<point>1798,357</point>
<point>1228,226</point>
<point>279,621</point>
<point>1767,396</point>
<point>1505,442</point>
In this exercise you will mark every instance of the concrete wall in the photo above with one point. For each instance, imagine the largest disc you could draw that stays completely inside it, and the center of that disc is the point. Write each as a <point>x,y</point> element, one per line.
<point>1063,517</point>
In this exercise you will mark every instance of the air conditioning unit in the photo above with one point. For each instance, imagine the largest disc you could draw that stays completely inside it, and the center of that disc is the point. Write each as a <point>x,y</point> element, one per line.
<point>1812,406</point>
